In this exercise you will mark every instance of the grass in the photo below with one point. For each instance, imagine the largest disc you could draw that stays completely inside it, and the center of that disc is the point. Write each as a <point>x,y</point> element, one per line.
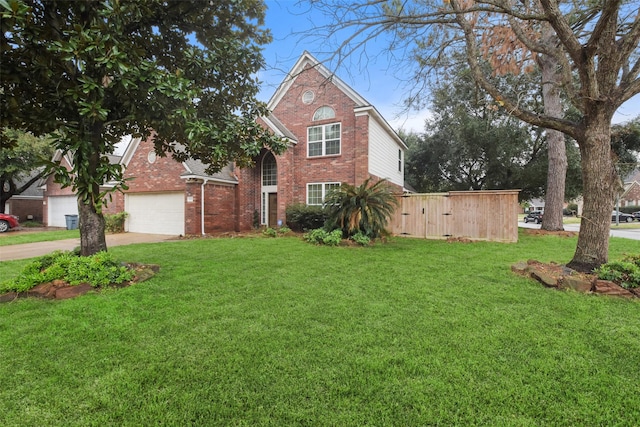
<point>276,332</point>
<point>33,236</point>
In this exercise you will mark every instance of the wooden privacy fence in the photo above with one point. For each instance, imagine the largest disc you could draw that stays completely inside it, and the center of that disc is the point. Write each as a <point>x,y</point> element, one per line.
<point>475,215</point>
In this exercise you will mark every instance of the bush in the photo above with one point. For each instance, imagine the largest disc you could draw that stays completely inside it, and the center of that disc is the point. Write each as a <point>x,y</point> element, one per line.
<point>320,236</point>
<point>361,239</point>
<point>366,208</point>
<point>275,232</point>
<point>625,273</point>
<point>98,270</point>
<point>301,217</point>
<point>114,223</point>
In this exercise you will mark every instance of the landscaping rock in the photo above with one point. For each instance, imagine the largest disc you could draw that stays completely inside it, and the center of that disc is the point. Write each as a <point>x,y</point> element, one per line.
<point>561,277</point>
<point>576,283</point>
<point>73,291</point>
<point>9,296</point>
<point>606,287</point>
<point>45,290</point>
<point>543,277</point>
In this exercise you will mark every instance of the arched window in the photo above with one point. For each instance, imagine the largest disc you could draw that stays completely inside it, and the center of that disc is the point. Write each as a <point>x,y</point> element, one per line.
<point>269,170</point>
<point>323,113</point>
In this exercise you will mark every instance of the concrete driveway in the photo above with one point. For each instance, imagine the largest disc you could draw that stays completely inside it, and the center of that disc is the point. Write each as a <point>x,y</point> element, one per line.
<point>30,250</point>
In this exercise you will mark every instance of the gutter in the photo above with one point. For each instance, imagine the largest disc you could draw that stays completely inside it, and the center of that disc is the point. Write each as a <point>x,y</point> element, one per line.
<point>204,182</point>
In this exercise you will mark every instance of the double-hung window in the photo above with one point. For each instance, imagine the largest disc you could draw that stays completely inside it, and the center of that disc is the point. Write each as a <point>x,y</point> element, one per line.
<point>324,140</point>
<point>316,192</point>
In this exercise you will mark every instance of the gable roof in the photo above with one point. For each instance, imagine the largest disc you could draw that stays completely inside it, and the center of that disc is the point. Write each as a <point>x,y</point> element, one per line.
<point>363,107</point>
<point>634,176</point>
<point>195,169</point>
<point>279,128</point>
<point>306,60</point>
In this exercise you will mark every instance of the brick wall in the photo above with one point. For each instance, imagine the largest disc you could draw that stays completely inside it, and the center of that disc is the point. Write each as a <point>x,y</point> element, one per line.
<point>161,175</point>
<point>295,169</point>
<point>219,207</point>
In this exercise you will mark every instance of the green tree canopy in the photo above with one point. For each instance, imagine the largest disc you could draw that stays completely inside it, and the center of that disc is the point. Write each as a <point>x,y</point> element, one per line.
<point>22,162</point>
<point>91,72</point>
<point>472,144</point>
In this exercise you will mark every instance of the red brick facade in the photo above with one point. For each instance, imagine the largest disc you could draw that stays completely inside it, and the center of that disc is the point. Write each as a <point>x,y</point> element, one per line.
<point>234,200</point>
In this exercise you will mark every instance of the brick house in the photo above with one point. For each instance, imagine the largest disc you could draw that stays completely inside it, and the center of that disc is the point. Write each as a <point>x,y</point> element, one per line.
<point>334,136</point>
<point>631,194</point>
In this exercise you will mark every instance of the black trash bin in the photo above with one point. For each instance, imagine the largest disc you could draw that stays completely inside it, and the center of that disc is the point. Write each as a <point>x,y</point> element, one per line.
<point>72,222</point>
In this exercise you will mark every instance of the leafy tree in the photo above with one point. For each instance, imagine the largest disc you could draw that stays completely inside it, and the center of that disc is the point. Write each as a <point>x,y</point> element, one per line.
<point>91,72</point>
<point>625,143</point>
<point>365,208</point>
<point>22,162</point>
<point>595,47</point>
<point>470,144</point>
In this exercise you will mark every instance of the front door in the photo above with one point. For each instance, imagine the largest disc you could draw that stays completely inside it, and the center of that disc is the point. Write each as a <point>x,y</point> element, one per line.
<point>273,209</point>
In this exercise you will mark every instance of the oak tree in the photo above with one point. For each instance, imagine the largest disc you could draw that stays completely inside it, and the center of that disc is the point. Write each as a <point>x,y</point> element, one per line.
<point>595,47</point>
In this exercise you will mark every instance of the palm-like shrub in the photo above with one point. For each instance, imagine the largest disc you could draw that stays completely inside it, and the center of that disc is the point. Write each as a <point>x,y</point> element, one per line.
<point>366,208</point>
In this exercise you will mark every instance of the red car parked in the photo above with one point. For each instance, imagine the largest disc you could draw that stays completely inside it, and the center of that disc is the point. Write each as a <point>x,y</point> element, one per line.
<point>7,222</point>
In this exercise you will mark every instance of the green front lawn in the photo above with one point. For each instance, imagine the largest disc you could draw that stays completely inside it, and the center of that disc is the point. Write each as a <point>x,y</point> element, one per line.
<point>258,331</point>
<point>33,236</point>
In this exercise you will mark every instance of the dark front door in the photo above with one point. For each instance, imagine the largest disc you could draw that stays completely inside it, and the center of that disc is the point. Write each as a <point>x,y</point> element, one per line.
<point>273,209</point>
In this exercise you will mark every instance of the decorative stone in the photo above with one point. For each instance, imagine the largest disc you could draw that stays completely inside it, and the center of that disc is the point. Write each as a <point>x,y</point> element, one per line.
<point>576,283</point>
<point>543,277</point>
<point>606,287</point>
<point>9,296</point>
<point>43,290</point>
<point>73,291</point>
<point>520,268</point>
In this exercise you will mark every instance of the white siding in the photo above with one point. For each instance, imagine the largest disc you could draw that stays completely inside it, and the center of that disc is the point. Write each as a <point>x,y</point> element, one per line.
<point>155,213</point>
<point>383,154</point>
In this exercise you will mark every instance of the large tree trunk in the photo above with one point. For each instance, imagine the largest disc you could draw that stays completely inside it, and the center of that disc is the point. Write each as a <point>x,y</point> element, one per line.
<point>557,154</point>
<point>599,184</point>
<point>92,223</point>
<point>92,227</point>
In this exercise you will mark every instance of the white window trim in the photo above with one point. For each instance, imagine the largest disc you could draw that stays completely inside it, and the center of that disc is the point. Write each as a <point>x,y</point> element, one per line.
<point>324,191</point>
<point>324,140</point>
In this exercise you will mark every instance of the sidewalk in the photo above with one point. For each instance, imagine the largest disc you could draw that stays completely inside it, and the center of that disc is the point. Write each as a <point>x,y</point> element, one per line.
<point>30,250</point>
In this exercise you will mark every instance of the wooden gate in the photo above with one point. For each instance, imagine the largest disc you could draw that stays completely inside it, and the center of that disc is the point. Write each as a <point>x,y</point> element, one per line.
<point>474,215</point>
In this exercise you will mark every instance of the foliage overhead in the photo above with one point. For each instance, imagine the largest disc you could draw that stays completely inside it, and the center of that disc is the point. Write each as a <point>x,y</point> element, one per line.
<point>92,72</point>
<point>594,44</point>
<point>472,144</point>
<point>365,208</point>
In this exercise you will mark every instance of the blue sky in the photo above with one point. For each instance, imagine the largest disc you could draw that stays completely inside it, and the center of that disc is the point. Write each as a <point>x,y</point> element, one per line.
<point>379,83</point>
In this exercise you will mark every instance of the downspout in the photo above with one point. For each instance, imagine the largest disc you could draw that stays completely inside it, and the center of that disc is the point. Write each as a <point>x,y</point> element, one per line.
<point>204,182</point>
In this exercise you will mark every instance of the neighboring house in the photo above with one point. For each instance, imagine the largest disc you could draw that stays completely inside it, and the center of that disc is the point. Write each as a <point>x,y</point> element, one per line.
<point>631,194</point>
<point>535,205</point>
<point>59,202</point>
<point>334,136</point>
<point>27,205</point>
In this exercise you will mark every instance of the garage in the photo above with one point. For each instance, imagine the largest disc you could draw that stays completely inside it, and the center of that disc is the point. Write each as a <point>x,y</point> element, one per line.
<point>58,207</point>
<point>155,213</point>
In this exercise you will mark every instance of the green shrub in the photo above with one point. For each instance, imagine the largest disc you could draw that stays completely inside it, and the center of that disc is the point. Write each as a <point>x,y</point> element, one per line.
<point>114,223</point>
<point>361,238</point>
<point>275,232</point>
<point>366,208</point>
<point>270,232</point>
<point>98,270</point>
<point>301,217</point>
<point>320,236</point>
<point>625,273</point>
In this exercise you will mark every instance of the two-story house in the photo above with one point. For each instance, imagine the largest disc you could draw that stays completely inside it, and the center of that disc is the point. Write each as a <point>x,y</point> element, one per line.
<point>334,136</point>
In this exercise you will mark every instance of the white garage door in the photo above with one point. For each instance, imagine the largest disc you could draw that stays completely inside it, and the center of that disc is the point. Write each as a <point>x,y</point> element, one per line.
<point>155,213</point>
<point>59,206</point>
